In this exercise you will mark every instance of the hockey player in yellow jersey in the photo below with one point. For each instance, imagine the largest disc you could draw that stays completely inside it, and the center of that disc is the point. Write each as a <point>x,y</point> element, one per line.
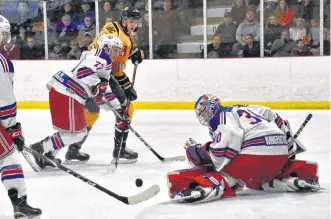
<point>130,19</point>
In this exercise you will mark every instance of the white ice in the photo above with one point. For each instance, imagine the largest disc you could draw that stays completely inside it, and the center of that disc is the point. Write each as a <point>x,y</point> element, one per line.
<point>61,196</point>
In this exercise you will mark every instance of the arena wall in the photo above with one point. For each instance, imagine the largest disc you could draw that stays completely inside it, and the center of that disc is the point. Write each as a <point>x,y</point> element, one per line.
<point>280,83</point>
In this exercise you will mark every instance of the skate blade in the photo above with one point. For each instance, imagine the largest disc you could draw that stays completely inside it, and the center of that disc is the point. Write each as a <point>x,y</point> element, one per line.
<point>22,216</point>
<point>124,161</point>
<point>73,162</point>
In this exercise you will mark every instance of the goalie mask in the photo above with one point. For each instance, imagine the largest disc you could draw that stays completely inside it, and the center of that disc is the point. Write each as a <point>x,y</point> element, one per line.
<point>4,30</point>
<point>206,107</point>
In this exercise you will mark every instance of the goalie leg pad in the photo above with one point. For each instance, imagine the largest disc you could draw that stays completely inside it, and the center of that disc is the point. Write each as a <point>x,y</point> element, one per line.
<point>301,169</point>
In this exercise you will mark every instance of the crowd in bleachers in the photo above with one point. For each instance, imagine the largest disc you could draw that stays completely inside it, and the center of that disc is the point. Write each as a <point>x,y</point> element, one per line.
<point>291,27</point>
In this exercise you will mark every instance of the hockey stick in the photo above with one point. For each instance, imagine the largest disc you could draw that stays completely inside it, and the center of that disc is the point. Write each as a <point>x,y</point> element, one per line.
<point>33,165</point>
<point>169,159</point>
<point>129,200</point>
<point>299,149</point>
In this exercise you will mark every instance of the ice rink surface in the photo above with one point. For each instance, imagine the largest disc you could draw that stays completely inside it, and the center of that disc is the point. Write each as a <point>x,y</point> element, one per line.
<point>61,196</point>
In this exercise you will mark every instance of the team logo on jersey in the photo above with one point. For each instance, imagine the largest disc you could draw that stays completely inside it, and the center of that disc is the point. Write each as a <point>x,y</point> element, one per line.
<point>111,29</point>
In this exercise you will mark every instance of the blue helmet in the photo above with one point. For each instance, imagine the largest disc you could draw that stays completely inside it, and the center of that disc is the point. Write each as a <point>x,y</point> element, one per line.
<point>206,107</point>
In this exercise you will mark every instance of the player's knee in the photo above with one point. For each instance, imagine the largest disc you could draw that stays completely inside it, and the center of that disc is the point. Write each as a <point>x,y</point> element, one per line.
<point>91,118</point>
<point>91,106</point>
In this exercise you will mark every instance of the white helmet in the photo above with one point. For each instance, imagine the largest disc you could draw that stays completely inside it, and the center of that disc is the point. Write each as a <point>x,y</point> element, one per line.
<point>4,29</point>
<point>109,41</point>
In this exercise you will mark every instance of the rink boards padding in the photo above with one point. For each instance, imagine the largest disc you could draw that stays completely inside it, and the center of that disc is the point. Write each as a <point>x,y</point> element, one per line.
<point>167,105</point>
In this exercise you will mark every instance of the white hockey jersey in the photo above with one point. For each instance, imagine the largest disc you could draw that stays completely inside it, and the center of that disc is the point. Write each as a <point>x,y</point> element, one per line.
<point>242,130</point>
<point>77,82</point>
<point>7,97</point>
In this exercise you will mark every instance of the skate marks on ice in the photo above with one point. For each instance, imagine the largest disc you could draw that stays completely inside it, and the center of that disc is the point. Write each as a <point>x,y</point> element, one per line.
<point>248,204</point>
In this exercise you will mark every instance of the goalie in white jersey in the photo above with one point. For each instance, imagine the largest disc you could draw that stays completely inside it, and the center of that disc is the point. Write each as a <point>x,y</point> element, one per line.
<point>247,149</point>
<point>70,90</point>
<point>11,172</point>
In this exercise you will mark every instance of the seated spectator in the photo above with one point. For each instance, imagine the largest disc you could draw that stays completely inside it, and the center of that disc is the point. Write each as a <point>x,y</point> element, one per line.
<point>300,49</point>
<point>39,36</point>
<point>32,51</point>
<point>143,36</point>
<point>20,39</point>
<point>75,51</point>
<point>298,32</point>
<point>252,48</point>
<point>66,30</point>
<point>121,4</point>
<point>238,12</point>
<point>88,26</point>
<point>56,53</point>
<point>85,41</point>
<point>307,9</point>
<point>271,32</point>
<point>284,14</point>
<point>107,12</point>
<point>249,26</point>
<point>314,33</point>
<point>283,46</point>
<point>227,32</point>
<point>10,50</point>
<point>214,49</point>
<point>67,9</point>
<point>86,11</point>
<point>134,38</point>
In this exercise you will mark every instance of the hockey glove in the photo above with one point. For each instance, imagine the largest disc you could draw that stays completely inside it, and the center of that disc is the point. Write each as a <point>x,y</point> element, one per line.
<point>137,56</point>
<point>122,117</point>
<point>100,88</point>
<point>130,92</point>
<point>198,155</point>
<point>15,132</point>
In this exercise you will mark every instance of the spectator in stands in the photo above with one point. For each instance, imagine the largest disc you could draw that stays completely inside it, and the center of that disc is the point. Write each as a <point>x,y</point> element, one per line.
<point>327,11</point>
<point>134,38</point>
<point>300,49</point>
<point>88,26</point>
<point>75,51</point>
<point>10,50</point>
<point>298,31</point>
<point>23,11</point>
<point>249,26</point>
<point>86,11</point>
<point>252,48</point>
<point>67,9</point>
<point>271,33</point>
<point>284,14</point>
<point>214,49</point>
<point>85,41</point>
<point>227,32</point>
<point>21,38</point>
<point>56,53</point>
<point>167,21</point>
<point>238,12</point>
<point>283,46</point>
<point>307,9</point>
<point>143,36</point>
<point>108,12</point>
<point>121,4</point>
<point>39,36</point>
<point>314,33</point>
<point>327,43</point>
<point>31,50</point>
<point>66,30</point>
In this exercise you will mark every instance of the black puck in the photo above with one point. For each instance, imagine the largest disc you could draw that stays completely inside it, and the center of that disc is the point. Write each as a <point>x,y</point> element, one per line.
<point>139,182</point>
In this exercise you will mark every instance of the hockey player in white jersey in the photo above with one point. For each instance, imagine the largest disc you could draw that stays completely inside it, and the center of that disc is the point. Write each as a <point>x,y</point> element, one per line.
<point>70,90</point>
<point>12,175</point>
<point>247,149</point>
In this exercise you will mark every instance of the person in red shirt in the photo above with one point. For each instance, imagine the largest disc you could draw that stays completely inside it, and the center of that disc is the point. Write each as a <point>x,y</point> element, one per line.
<point>10,50</point>
<point>283,13</point>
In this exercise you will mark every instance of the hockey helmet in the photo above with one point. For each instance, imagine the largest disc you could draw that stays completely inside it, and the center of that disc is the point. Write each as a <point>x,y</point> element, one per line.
<point>110,42</point>
<point>206,107</point>
<point>5,35</point>
<point>130,13</point>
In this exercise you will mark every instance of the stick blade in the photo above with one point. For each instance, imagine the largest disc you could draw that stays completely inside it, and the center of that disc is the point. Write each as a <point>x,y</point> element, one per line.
<point>144,196</point>
<point>172,159</point>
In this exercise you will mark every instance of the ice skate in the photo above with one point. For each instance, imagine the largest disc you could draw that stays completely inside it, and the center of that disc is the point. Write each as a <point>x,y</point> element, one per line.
<point>21,207</point>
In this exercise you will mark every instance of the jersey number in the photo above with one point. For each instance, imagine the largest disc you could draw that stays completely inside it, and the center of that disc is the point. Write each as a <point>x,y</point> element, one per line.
<point>249,116</point>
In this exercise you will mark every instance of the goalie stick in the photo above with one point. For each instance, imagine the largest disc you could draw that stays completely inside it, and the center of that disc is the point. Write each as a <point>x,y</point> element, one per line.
<point>129,200</point>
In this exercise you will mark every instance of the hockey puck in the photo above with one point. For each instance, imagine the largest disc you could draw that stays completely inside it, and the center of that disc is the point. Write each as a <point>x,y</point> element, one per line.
<point>139,182</point>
